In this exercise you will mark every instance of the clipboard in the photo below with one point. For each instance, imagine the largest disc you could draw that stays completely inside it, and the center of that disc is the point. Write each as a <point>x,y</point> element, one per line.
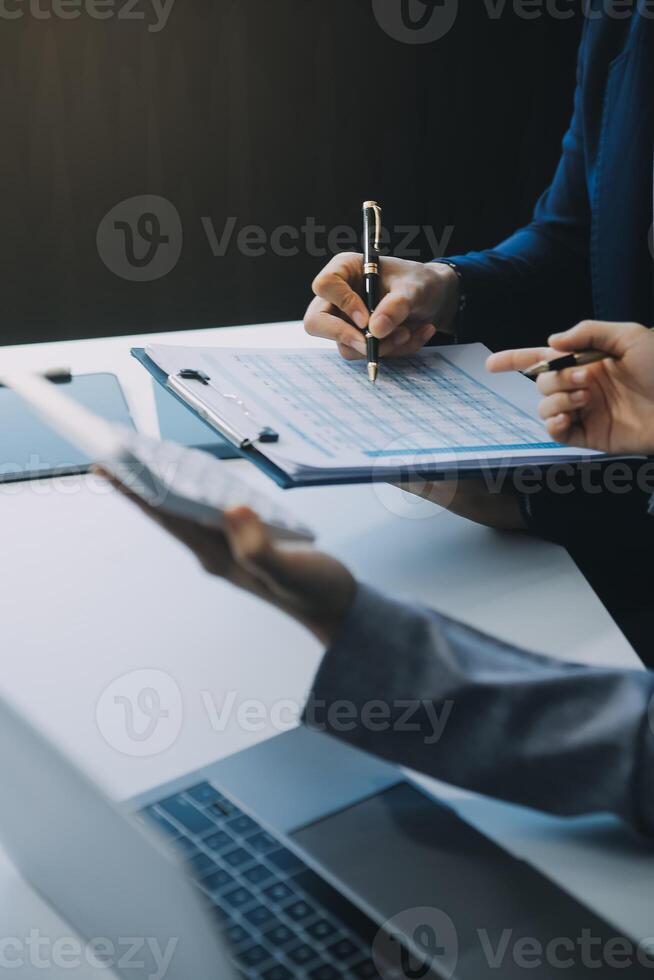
<point>247,444</point>
<point>250,453</point>
<point>30,449</point>
<point>177,424</point>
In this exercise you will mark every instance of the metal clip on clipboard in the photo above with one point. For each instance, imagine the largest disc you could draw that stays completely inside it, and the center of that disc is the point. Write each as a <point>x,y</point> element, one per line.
<point>259,433</point>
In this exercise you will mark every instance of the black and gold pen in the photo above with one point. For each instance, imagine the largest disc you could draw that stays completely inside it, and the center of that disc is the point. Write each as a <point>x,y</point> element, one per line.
<point>372,227</point>
<point>577,359</point>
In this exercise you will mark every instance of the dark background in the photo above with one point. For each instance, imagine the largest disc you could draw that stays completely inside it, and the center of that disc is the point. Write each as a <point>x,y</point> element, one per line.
<point>256,109</point>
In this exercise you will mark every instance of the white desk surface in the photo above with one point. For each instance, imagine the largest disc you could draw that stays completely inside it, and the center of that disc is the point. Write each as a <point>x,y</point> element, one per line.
<point>91,591</point>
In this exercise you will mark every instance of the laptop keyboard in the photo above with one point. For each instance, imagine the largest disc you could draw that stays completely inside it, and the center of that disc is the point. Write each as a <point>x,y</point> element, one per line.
<point>280,919</point>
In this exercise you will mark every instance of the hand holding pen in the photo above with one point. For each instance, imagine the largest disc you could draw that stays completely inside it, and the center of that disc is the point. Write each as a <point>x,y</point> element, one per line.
<point>603,402</point>
<point>415,297</point>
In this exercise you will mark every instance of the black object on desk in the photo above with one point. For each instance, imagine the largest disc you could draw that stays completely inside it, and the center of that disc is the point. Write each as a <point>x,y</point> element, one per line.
<point>29,448</point>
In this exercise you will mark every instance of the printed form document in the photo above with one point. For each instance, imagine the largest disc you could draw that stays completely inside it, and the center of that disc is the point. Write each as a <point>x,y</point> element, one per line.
<point>437,410</point>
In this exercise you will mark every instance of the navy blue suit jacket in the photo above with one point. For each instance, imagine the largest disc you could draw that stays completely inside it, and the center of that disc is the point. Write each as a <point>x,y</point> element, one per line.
<point>588,251</point>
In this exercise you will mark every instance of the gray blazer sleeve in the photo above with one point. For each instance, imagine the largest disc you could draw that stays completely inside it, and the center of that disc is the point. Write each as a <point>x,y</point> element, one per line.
<point>439,697</point>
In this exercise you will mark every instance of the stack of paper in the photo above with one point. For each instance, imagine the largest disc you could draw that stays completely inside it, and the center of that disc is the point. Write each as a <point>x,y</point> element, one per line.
<point>438,410</point>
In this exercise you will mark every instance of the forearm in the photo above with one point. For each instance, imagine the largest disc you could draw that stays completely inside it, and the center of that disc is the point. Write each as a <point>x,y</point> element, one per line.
<point>517,294</point>
<point>431,694</point>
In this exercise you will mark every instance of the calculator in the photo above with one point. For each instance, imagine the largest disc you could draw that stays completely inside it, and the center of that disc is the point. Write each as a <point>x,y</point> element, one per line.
<point>186,483</point>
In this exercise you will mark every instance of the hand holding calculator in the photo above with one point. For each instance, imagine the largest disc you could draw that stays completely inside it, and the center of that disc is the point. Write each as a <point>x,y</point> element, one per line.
<point>182,482</point>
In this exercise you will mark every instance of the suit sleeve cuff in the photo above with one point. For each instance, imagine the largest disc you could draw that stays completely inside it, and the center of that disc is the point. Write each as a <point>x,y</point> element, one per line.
<point>481,294</point>
<point>367,658</point>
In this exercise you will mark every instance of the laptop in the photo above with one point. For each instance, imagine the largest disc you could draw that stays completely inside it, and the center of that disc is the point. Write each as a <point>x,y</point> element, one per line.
<point>298,857</point>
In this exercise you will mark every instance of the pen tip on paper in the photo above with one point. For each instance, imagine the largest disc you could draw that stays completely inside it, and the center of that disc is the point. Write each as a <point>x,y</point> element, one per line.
<point>373,371</point>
